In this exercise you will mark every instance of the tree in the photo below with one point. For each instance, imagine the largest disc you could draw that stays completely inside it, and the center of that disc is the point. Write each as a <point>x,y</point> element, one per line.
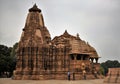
<point>13,56</point>
<point>102,70</point>
<point>5,59</point>
<point>110,64</point>
<point>13,52</point>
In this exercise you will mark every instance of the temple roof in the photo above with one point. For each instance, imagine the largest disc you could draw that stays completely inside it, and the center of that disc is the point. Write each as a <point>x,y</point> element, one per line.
<point>78,46</point>
<point>93,52</point>
<point>66,34</point>
<point>34,9</point>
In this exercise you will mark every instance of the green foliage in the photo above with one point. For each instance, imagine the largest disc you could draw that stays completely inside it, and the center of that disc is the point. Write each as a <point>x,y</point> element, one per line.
<point>109,64</point>
<point>7,59</point>
<point>13,56</point>
<point>13,52</point>
<point>102,70</point>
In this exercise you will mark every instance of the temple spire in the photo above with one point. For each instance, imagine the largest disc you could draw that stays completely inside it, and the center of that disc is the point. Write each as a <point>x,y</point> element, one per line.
<point>78,36</point>
<point>34,9</point>
<point>65,33</point>
<point>35,16</point>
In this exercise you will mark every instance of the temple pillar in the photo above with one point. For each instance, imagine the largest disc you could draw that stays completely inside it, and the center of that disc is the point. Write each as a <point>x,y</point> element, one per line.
<point>75,57</point>
<point>92,59</point>
<point>96,59</point>
<point>81,57</point>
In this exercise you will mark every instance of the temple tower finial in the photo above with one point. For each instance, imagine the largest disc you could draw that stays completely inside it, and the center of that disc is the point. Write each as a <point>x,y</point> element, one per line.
<point>34,9</point>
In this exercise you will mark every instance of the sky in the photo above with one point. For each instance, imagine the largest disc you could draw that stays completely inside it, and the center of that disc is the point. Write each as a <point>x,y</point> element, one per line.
<point>96,21</point>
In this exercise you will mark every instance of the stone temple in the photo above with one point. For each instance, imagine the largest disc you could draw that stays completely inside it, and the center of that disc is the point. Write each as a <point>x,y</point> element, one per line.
<point>39,57</point>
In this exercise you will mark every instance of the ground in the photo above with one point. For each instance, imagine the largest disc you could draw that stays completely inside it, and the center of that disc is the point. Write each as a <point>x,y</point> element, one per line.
<point>10,81</point>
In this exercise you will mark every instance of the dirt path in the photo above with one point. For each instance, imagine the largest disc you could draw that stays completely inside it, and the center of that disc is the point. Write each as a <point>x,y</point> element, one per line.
<point>10,81</point>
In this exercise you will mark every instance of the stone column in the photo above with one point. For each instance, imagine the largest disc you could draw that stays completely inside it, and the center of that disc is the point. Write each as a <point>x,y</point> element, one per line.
<point>75,58</point>
<point>96,59</point>
<point>92,59</point>
<point>81,57</point>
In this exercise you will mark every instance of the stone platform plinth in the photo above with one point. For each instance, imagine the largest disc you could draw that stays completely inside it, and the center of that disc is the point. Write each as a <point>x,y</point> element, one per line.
<point>113,76</point>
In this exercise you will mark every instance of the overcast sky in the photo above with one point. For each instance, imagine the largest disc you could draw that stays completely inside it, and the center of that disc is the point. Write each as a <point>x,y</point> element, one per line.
<point>96,21</point>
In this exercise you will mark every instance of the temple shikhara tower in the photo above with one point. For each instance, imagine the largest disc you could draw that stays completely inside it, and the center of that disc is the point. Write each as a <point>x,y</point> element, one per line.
<point>40,57</point>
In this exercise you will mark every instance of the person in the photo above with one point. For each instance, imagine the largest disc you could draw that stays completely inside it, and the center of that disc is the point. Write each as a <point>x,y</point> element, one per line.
<point>73,76</point>
<point>68,75</point>
<point>95,74</point>
<point>84,74</point>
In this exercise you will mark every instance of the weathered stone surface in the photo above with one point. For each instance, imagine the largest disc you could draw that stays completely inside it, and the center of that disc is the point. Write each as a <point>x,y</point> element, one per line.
<point>113,76</point>
<point>40,58</point>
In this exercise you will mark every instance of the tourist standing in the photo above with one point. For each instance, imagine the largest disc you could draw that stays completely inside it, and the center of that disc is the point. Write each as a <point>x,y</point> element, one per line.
<point>84,74</point>
<point>68,75</point>
<point>73,76</point>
